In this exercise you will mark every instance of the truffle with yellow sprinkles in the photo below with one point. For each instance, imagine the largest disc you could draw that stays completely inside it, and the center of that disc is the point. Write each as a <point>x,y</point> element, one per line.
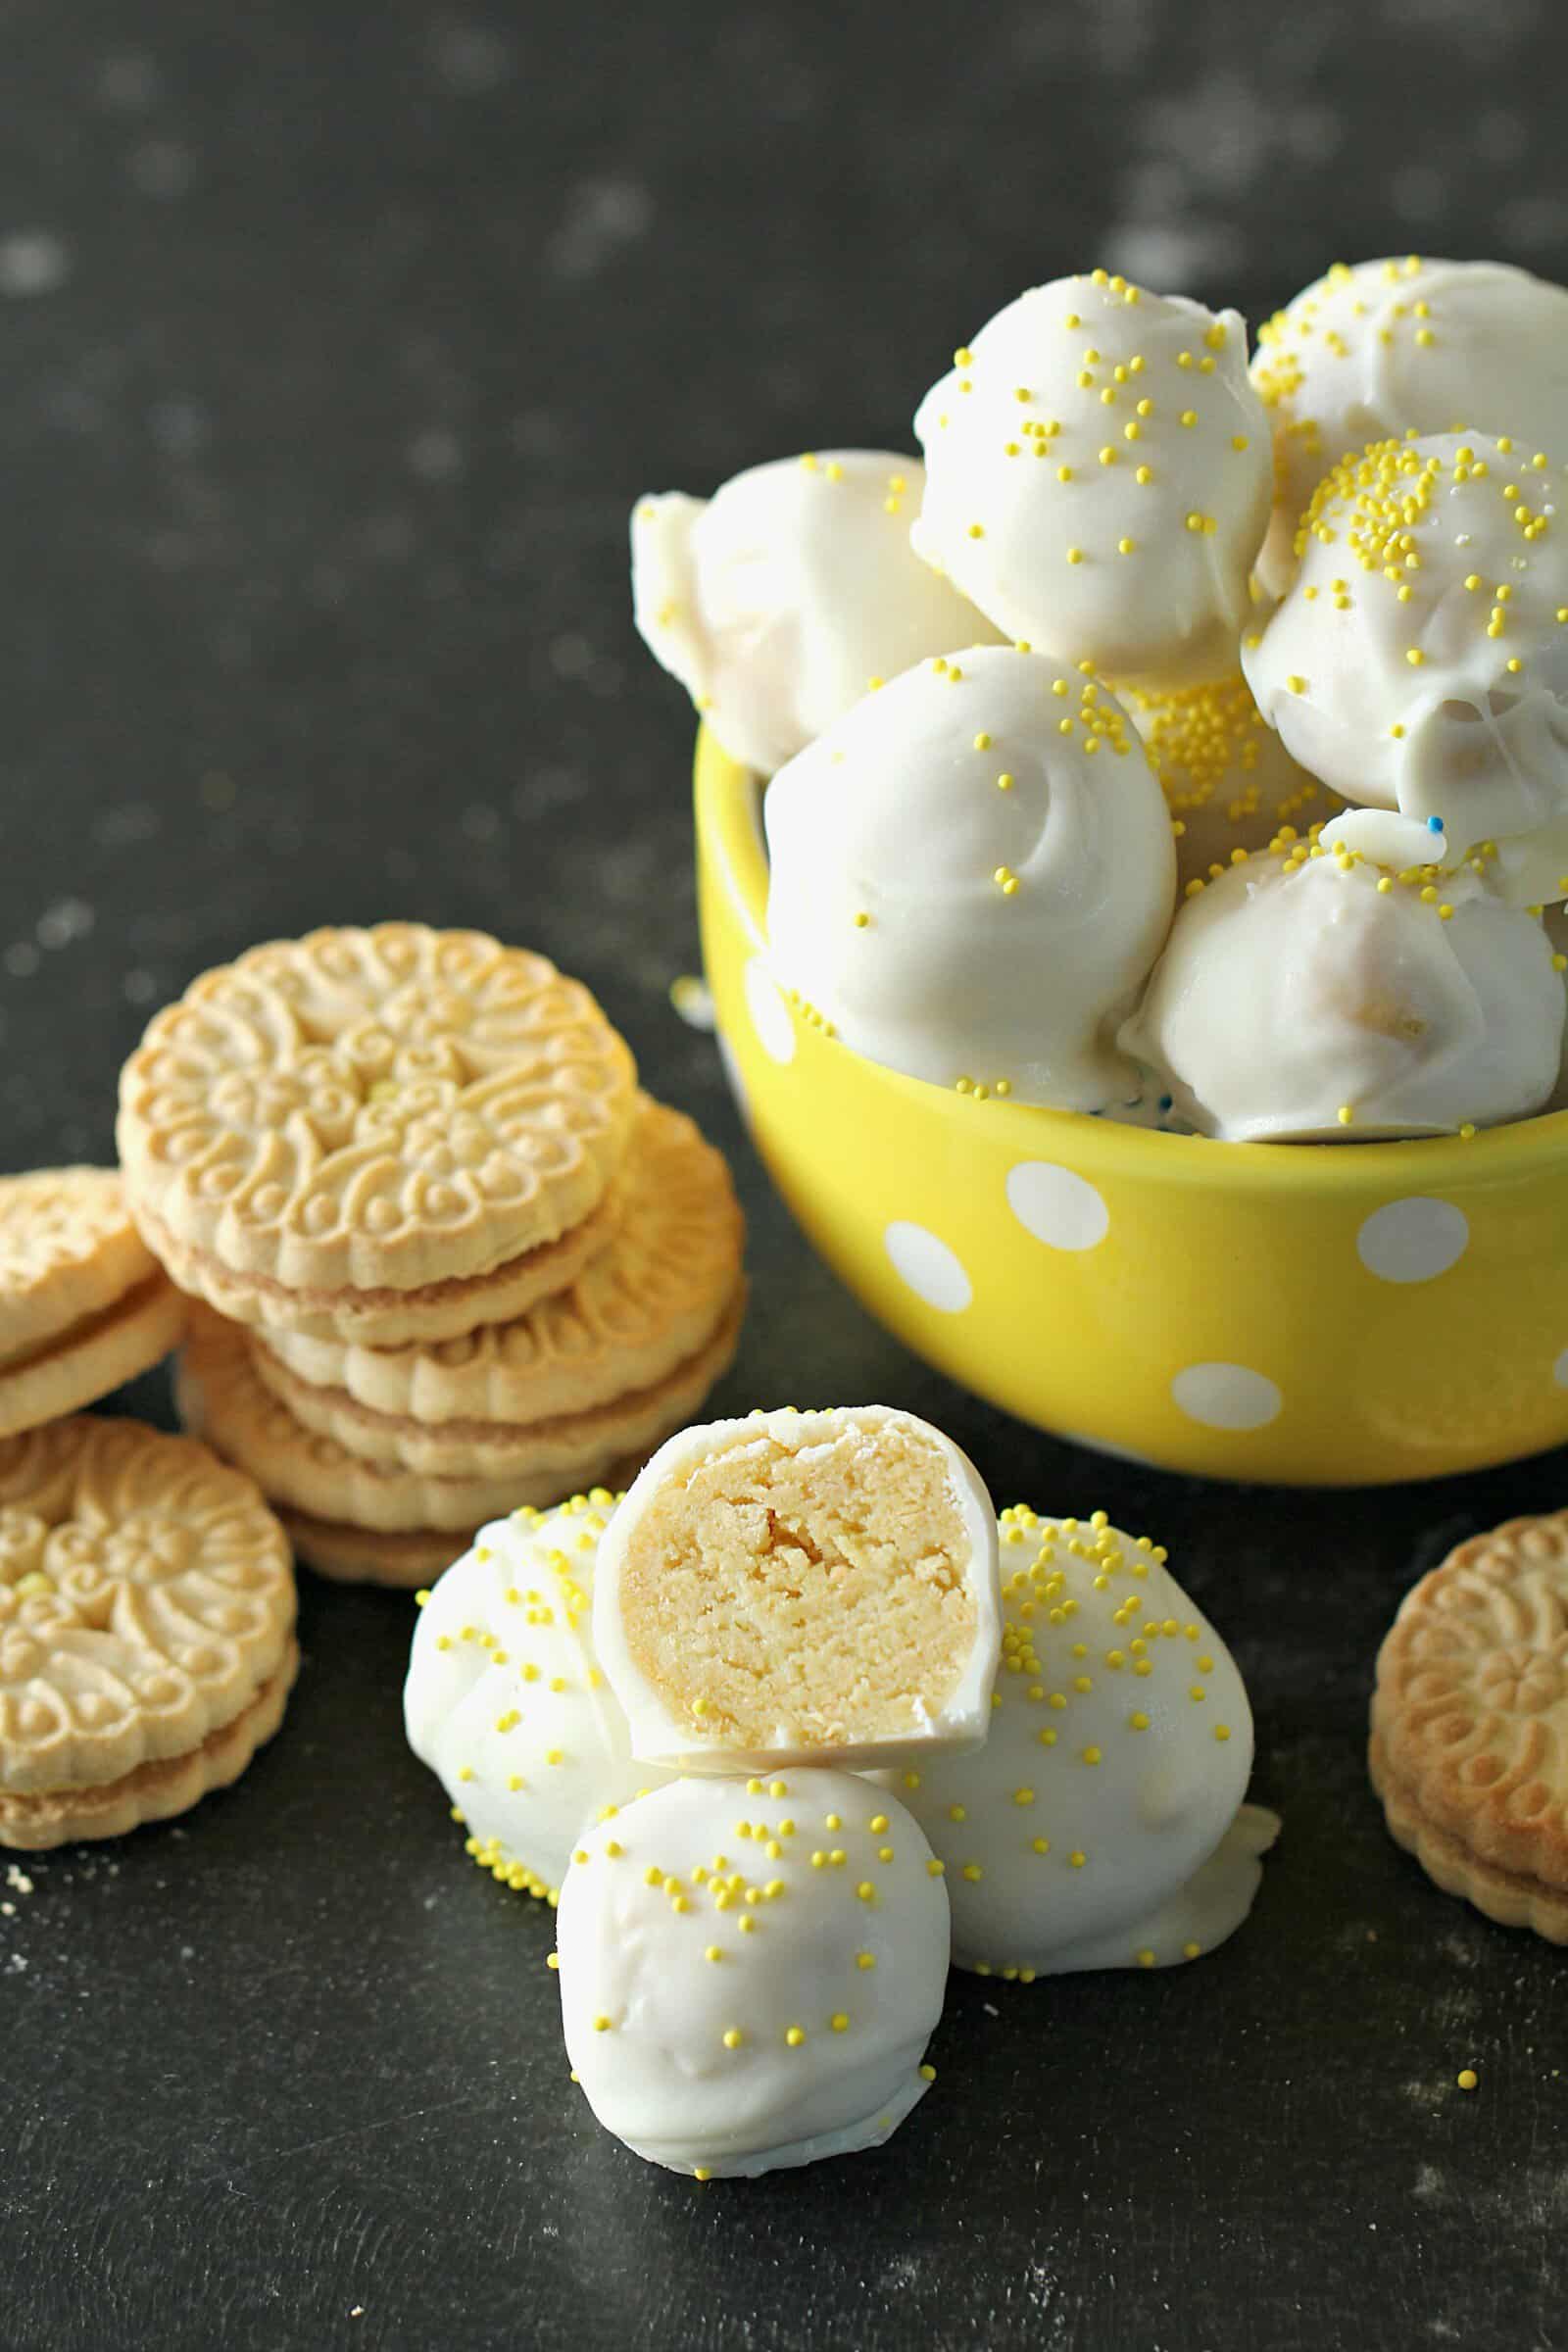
<point>1376,349</point>
<point>791,592</point>
<point>971,874</point>
<point>1420,660</point>
<point>1102,1824</point>
<point>504,1700</point>
<point>751,1969</point>
<point>1099,477</point>
<point>1228,782</point>
<point>798,1587</point>
<point>1312,995</point>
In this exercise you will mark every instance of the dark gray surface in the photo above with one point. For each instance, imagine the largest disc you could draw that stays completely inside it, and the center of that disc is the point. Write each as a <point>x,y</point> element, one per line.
<point>354,331</point>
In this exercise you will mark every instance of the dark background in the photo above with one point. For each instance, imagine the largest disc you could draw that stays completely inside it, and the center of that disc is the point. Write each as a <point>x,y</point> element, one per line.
<point>335,341</point>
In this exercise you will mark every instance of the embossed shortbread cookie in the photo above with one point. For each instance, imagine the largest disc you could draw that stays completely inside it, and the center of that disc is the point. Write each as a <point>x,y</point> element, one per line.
<point>146,1612</point>
<point>643,1306</point>
<point>83,1304</point>
<point>388,1318</point>
<point>224,1399</point>
<point>1469,1749</point>
<point>375,1109</point>
<point>368,1556</point>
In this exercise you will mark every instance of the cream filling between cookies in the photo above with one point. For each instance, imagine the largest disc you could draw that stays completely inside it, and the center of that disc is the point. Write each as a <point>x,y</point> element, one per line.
<point>76,1335</point>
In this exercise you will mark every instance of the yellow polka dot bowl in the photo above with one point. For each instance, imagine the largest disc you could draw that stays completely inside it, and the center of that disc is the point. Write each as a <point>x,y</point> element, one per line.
<point>1344,1315</point>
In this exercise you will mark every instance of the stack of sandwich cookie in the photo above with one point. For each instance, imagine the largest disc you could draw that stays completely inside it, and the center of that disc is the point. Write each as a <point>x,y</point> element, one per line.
<point>458,1261</point>
<point>146,1629</point>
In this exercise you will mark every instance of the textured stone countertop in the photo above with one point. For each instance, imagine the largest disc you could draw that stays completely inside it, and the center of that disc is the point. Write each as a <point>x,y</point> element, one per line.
<point>335,340</point>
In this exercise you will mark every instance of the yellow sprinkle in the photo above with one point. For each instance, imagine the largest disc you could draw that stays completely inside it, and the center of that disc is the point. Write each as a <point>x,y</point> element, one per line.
<point>1467,2078</point>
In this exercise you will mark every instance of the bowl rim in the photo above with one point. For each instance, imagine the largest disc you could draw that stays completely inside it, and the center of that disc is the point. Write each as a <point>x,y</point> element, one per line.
<point>729,834</point>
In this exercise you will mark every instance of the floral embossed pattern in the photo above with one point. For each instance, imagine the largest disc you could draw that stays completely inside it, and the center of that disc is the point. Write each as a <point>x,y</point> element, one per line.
<point>386,1108</point>
<point>1471,1711</point>
<point>644,1303</point>
<point>146,1592</point>
<point>68,1249</point>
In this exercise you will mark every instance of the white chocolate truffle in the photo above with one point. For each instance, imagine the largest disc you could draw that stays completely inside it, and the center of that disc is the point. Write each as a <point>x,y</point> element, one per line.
<point>1375,350</point>
<point>788,594</point>
<point>1098,1827</point>
<point>504,1700</point>
<point>800,1588</point>
<point>1228,782</point>
<point>971,875</point>
<point>1420,659</point>
<point>1312,996</point>
<point>750,1971</point>
<point>1098,476</point>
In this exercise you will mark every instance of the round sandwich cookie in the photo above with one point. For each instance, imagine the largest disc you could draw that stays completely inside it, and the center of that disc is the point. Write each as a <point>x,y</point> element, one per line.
<point>1102,1824</point>
<point>1469,1745</point>
<point>1097,478</point>
<point>381,1520</point>
<point>506,1700</point>
<point>789,594</point>
<point>84,1304</point>
<point>751,1970</point>
<point>146,1628</point>
<point>358,1111</point>
<point>798,1587</point>
<point>645,1303</point>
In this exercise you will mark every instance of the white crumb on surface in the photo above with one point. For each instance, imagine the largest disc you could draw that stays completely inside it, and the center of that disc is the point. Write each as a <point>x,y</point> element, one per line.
<point>32,261</point>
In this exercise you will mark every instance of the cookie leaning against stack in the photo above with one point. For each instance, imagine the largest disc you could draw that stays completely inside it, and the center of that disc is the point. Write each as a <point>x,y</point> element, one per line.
<point>458,1262</point>
<point>82,1302</point>
<point>146,1629</point>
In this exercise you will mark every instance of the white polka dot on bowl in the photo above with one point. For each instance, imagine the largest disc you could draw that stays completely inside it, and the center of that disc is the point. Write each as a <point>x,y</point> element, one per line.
<point>1227,1397</point>
<point>770,1015</point>
<point>932,1271</point>
<point>1413,1240</point>
<point>1058,1206</point>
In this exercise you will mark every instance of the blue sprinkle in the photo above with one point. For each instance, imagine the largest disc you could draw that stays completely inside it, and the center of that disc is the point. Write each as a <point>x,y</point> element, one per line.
<point>1167,1101</point>
<point>1434,824</point>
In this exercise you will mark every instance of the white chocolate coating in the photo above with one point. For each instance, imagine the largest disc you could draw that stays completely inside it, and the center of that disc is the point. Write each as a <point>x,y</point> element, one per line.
<point>1121,1742</point>
<point>750,1971</point>
<point>1228,780</point>
<point>1317,997</point>
<point>824,1674</point>
<point>504,1700</point>
<point>1420,659</point>
<point>778,602</point>
<point>1097,478</point>
<point>972,873</point>
<point>1375,350</point>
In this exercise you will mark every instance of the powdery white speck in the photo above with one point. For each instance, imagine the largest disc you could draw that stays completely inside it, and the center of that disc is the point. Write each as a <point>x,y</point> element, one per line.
<point>1227,1397</point>
<point>32,261</point>
<point>1059,1208</point>
<point>933,1271</point>
<point>1412,1241</point>
<point>770,1015</point>
<point>1559,1370</point>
